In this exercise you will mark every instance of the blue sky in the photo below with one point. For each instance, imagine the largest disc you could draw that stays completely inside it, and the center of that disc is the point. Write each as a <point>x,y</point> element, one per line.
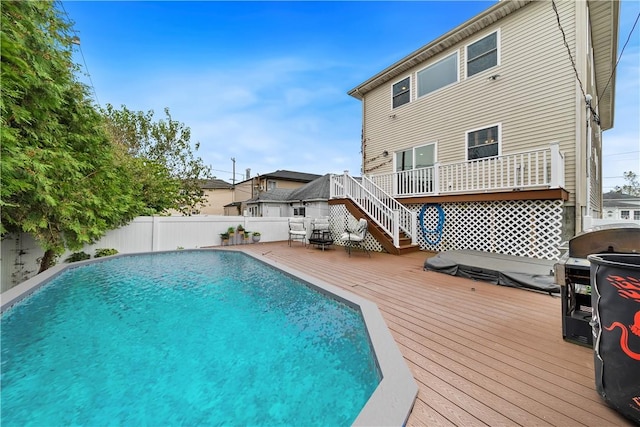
<point>266,82</point>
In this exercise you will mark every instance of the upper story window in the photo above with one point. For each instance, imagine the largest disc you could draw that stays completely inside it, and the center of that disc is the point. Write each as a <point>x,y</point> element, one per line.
<point>482,54</point>
<point>401,92</point>
<point>624,214</point>
<point>483,143</point>
<point>299,211</point>
<point>271,185</point>
<point>438,75</point>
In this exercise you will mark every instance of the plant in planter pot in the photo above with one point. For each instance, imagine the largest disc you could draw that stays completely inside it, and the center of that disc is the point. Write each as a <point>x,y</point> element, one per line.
<point>225,238</point>
<point>256,236</point>
<point>246,236</point>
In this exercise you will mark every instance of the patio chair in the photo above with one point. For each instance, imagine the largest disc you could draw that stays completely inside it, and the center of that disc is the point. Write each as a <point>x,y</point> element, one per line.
<point>297,231</point>
<point>320,233</point>
<point>355,238</point>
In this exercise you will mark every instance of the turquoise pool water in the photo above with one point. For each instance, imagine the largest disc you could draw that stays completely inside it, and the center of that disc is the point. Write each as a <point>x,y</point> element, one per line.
<point>183,338</point>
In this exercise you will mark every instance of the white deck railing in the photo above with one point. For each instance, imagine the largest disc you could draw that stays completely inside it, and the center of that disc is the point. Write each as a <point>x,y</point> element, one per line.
<point>520,171</point>
<point>380,206</point>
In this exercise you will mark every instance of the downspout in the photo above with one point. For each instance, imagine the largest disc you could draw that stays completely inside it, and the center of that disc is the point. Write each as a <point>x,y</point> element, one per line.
<point>363,138</point>
<point>588,109</point>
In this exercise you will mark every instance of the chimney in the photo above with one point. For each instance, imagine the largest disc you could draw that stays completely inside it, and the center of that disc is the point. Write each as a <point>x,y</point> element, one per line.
<point>247,173</point>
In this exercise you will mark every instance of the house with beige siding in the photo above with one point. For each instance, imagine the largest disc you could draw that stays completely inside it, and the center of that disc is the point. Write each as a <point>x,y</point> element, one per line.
<point>489,137</point>
<point>217,194</point>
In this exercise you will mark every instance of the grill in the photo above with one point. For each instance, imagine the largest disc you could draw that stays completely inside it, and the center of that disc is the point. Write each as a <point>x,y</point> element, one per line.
<point>572,273</point>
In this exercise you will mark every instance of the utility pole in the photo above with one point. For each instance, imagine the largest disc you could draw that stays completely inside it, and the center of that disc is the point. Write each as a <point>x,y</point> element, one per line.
<point>233,180</point>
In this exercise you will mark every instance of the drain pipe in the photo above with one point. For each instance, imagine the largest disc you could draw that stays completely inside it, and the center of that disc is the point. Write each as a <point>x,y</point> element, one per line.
<point>588,110</point>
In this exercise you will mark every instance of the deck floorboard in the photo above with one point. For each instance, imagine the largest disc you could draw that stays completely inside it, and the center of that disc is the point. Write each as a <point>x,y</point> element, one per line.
<point>482,354</point>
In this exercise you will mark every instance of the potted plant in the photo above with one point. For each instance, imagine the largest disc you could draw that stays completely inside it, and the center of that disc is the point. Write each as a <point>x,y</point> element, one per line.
<point>246,236</point>
<point>231,231</point>
<point>256,236</point>
<point>225,238</point>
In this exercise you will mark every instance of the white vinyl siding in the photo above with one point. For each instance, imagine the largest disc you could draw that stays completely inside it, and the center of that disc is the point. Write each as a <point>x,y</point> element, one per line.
<point>534,98</point>
<point>438,75</point>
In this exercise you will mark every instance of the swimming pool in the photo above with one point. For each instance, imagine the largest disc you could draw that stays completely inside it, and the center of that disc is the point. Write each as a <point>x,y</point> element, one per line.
<point>188,337</point>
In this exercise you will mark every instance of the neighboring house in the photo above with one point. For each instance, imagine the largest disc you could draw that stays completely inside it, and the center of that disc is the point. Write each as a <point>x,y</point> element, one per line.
<point>310,201</point>
<point>621,206</point>
<point>253,187</point>
<point>491,134</point>
<point>218,193</point>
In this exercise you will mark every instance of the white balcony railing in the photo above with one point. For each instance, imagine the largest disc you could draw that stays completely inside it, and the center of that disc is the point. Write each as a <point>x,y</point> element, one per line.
<point>520,171</point>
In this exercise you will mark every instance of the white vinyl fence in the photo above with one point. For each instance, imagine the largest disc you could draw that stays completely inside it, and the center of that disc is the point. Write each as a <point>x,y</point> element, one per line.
<point>21,253</point>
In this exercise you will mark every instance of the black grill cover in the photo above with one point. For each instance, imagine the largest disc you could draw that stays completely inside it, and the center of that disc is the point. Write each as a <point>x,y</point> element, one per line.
<point>615,298</point>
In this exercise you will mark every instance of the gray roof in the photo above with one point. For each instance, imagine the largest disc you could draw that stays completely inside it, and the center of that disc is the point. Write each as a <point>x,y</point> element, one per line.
<point>317,189</point>
<point>274,195</point>
<point>619,196</point>
<point>214,184</point>
<point>286,175</point>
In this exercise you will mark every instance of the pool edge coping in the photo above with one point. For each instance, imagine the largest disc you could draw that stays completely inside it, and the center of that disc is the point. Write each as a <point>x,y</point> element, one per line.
<point>392,400</point>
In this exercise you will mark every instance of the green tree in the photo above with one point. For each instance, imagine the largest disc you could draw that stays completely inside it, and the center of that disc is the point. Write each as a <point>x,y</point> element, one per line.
<point>632,187</point>
<point>170,172</point>
<point>62,180</point>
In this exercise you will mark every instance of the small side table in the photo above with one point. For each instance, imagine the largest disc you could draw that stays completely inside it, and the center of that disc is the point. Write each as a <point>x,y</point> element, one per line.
<point>321,238</point>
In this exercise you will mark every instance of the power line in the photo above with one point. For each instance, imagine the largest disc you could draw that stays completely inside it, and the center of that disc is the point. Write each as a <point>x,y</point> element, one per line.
<point>76,41</point>
<point>573,64</point>
<point>619,154</point>
<point>619,58</point>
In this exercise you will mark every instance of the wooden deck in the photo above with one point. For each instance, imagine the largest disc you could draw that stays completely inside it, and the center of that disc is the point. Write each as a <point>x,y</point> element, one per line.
<point>481,354</point>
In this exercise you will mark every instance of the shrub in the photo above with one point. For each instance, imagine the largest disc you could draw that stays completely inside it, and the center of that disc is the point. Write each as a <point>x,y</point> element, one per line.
<point>77,256</point>
<point>105,252</point>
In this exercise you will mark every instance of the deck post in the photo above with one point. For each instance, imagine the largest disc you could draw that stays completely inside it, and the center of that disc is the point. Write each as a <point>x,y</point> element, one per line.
<point>556,166</point>
<point>436,178</point>
<point>396,228</point>
<point>414,227</point>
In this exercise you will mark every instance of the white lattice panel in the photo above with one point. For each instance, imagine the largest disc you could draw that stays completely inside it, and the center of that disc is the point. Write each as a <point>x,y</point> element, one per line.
<point>340,219</point>
<point>530,228</point>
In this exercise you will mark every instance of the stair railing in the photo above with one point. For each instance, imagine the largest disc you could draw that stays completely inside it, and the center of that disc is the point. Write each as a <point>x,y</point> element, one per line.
<point>382,208</point>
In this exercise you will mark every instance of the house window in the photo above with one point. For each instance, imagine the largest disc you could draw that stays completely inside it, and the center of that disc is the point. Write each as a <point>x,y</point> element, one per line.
<point>271,185</point>
<point>299,211</point>
<point>401,92</point>
<point>624,214</point>
<point>416,157</point>
<point>438,75</point>
<point>482,54</point>
<point>636,215</point>
<point>483,143</point>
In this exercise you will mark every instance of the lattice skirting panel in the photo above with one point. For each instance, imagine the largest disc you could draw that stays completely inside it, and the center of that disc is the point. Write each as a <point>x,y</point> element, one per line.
<point>340,219</point>
<point>530,228</point>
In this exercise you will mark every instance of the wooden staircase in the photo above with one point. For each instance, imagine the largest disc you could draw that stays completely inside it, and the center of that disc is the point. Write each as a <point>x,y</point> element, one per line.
<point>378,233</point>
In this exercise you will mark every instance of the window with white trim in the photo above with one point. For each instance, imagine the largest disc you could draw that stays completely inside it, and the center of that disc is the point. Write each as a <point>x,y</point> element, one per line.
<point>438,75</point>
<point>482,54</point>
<point>636,215</point>
<point>624,214</point>
<point>401,92</point>
<point>301,211</point>
<point>416,157</point>
<point>482,143</point>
